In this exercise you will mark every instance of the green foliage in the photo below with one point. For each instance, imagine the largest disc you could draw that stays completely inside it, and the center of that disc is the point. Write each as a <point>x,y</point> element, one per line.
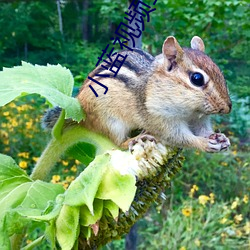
<point>52,82</point>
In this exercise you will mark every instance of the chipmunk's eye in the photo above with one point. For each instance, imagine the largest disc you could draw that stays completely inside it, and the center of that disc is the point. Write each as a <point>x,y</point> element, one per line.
<point>197,79</point>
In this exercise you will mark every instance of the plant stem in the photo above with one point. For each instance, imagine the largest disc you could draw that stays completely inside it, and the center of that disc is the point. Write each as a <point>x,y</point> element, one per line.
<point>57,147</point>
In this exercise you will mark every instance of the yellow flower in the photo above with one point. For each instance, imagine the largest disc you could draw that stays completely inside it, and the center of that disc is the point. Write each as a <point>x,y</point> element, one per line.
<point>245,199</point>
<point>6,113</point>
<point>235,203</point>
<point>247,227</point>
<point>187,211</point>
<point>29,124</point>
<point>4,134</point>
<point>77,162</point>
<point>65,163</point>
<point>223,235</point>
<point>238,233</point>
<point>193,190</point>
<point>73,168</point>
<point>197,242</point>
<point>211,195</point>
<point>23,164</point>
<point>203,199</point>
<point>234,152</point>
<point>223,221</point>
<point>14,123</point>
<point>55,178</point>
<point>70,178</point>
<point>35,159</point>
<point>24,155</point>
<point>182,248</point>
<point>224,164</point>
<point>238,218</point>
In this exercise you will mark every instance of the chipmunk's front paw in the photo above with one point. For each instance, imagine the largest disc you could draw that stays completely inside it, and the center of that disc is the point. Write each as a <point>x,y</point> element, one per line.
<point>218,142</point>
<point>141,139</point>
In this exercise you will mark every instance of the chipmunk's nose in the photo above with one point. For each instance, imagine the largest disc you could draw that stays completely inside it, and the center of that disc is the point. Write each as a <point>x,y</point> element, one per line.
<point>227,108</point>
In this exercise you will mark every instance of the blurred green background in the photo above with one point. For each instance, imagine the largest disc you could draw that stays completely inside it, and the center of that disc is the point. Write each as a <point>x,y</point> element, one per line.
<point>207,206</point>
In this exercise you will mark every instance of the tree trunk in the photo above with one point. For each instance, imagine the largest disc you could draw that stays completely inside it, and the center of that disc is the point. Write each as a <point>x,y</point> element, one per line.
<point>85,33</point>
<point>59,17</point>
<point>131,238</point>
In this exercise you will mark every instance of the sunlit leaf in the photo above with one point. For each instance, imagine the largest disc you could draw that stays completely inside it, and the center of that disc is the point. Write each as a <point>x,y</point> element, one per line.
<point>53,82</point>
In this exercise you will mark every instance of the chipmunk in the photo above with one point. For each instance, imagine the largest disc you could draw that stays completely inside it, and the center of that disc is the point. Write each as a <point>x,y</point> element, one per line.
<point>170,96</point>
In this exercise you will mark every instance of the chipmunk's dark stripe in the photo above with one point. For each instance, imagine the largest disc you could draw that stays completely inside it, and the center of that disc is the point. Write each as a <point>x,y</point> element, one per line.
<point>145,54</point>
<point>132,67</point>
<point>124,79</point>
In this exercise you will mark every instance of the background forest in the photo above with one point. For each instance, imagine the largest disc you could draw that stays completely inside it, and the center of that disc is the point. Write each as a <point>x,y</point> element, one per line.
<point>208,204</point>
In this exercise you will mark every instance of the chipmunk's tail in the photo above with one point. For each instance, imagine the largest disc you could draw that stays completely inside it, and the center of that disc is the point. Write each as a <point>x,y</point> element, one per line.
<point>50,118</point>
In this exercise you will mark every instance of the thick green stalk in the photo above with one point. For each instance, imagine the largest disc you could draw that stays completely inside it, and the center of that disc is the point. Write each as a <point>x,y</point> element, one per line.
<point>57,147</point>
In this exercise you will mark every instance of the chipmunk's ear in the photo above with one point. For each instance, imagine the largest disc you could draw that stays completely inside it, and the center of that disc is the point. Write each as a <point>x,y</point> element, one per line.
<point>172,50</point>
<point>197,43</point>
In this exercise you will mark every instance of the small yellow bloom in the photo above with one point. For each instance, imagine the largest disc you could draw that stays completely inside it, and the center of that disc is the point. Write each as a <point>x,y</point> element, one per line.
<point>55,178</point>
<point>73,168</point>
<point>70,178</point>
<point>223,220</point>
<point>77,162</point>
<point>235,203</point>
<point>23,164</point>
<point>4,134</point>
<point>193,190</point>
<point>238,233</point>
<point>224,164</point>
<point>6,113</point>
<point>35,159</point>
<point>197,242</point>
<point>12,105</point>
<point>187,211</point>
<point>65,163</point>
<point>247,227</point>
<point>29,124</point>
<point>238,218</point>
<point>211,195</point>
<point>14,123</point>
<point>182,248</point>
<point>203,199</point>
<point>245,199</point>
<point>223,235</point>
<point>24,154</point>
<point>234,152</point>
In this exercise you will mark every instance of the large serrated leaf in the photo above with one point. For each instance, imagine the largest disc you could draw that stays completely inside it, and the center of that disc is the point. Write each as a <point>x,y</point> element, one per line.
<point>83,189</point>
<point>53,82</point>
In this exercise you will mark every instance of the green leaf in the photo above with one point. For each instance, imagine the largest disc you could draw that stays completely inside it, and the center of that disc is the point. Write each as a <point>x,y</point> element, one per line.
<point>58,127</point>
<point>39,194</point>
<point>86,218</point>
<point>118,188</point>
<point>83,152</point>
<point>9,168</point>
<point>34,243</point>
<point>53,82</point>
<point>67,226</point>
<point>112,208</point>
<point>83,189</point>
<point>6,186</point>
